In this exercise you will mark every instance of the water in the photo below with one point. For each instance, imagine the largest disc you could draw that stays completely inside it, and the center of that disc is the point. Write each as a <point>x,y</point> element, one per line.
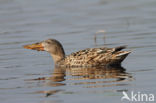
<point>30,77</point>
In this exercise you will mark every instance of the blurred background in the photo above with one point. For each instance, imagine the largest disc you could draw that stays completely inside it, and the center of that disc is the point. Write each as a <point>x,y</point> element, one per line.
<point>75,23</point>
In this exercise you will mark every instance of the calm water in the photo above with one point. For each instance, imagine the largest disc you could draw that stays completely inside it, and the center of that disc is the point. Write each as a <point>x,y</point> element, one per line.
<point>75,23</point>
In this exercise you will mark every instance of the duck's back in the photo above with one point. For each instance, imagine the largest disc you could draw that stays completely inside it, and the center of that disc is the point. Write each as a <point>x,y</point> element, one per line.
<point>93,57</point>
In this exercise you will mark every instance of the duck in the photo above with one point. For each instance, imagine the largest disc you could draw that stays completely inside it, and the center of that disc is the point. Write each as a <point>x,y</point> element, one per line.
<point>90,57</point>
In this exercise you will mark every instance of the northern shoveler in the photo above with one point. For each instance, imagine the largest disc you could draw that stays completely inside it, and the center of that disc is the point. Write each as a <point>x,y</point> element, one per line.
<point>90,57</point>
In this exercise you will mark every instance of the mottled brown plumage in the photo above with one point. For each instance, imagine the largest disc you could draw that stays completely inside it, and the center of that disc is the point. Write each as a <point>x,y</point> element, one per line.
<point>85,58</point>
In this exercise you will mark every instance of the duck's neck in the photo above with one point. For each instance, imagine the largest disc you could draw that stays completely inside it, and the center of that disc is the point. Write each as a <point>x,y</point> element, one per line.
<point>58,55</point>
<point>57,58</point>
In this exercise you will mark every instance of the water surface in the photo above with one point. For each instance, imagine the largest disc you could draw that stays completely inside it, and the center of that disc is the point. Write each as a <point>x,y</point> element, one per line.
<point>30,77</point>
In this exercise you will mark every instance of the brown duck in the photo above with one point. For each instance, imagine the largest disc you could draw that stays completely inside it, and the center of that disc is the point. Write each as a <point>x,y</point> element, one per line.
<point>90,57</point>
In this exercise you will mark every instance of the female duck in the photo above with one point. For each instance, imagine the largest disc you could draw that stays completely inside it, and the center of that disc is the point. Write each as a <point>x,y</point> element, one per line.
<point>85,58</point>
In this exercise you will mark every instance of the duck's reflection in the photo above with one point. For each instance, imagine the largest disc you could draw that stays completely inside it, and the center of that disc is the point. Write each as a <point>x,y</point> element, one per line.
<point>104,74</point>
<point>87,77</point>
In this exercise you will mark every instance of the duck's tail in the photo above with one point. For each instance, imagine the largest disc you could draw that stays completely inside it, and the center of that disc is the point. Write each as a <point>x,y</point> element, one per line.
<point>119,48</point>
<point>118,55</point>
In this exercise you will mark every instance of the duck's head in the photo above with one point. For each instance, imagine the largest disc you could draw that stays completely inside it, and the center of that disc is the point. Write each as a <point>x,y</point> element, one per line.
<point>52,46</point>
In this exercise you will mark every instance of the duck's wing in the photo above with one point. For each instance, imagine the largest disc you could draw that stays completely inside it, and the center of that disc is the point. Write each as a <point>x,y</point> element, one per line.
<point>96,56</point>
<point>89,57</point>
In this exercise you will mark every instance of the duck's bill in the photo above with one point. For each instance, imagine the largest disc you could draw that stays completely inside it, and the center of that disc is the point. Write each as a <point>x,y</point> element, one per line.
<point>36,46</point>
